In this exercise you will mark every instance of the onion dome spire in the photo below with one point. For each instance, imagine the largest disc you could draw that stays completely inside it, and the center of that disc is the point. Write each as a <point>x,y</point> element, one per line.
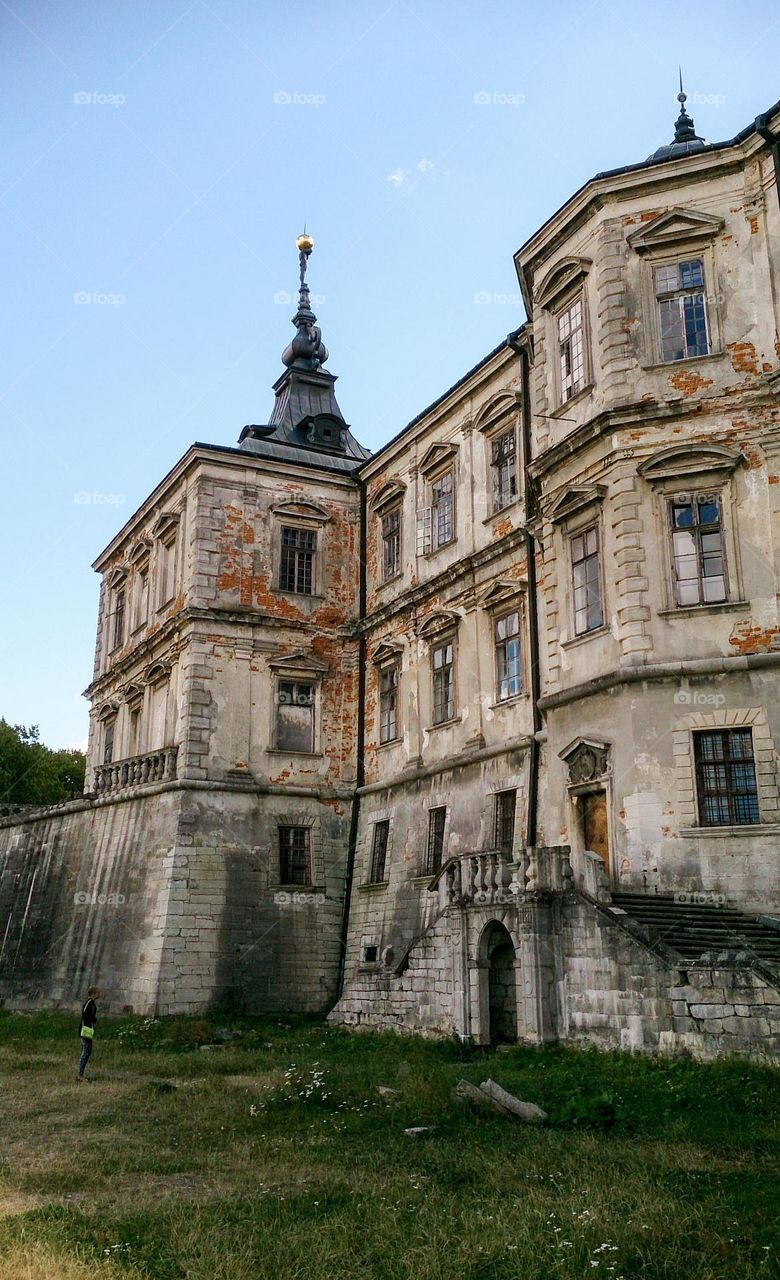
<point>307,350</point>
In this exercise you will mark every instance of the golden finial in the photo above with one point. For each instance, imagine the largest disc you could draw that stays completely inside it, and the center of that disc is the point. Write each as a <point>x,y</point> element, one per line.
<point>304,243</point>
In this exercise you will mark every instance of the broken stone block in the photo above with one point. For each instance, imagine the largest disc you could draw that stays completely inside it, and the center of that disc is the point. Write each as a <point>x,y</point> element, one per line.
<point>417,1131</point>
<point>386,1092</point>
<point>527,1111</point>
<point>465,1091</point>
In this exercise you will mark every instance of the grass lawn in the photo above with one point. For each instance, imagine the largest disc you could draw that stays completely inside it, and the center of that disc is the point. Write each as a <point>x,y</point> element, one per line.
<point>274,1155</point>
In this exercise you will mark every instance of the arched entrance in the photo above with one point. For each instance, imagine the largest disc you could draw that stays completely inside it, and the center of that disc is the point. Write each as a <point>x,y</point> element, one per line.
<point>499,953</point>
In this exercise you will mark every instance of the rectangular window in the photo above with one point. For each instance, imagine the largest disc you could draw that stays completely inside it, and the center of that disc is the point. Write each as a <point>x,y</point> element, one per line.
<point>295,716</point>
<point>503,469</point>
<point>141,609</point>
<point>134,729</point>
<point>435,848</point>
<point>726,778</point>
<point>682,310</point>
<point>118,633</point>
<point>586,581</point>
<point>379,851</point>
<point>697,550</point>
<point>109,729</point>
<point>166,561</point>
<point>442,660</point>
<point>296,572</point>
<point>442,524</point>
<point>508,670</point>
<point>506,803</point>
<point>388,704</point>
<point>571,349</point>
<point>391,545</point>
<point>294,855</point>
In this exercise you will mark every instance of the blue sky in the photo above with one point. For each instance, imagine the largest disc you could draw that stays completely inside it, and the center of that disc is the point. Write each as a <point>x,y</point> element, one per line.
<point>160,157</point>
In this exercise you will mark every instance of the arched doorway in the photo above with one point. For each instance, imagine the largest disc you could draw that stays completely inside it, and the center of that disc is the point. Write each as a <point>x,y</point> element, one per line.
<point>499,953</point>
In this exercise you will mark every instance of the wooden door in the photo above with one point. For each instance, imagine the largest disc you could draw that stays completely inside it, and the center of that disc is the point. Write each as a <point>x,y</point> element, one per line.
<point>595,829</point>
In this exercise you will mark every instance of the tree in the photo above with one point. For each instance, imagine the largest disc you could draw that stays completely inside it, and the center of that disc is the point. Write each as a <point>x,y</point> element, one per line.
<point>31,773</point>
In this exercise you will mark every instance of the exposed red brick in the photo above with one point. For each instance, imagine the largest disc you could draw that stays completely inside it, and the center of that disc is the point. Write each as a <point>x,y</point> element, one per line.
<point>688,382</point>
<point>743,357</point>
<point>753,226</point>
<point>748,637</point>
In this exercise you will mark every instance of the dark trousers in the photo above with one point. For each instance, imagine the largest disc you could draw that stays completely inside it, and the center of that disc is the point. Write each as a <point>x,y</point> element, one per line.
<point>86,1049</point>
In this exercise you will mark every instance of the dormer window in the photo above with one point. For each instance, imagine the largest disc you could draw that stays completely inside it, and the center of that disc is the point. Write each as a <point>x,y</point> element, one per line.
<point>682,310</point>
<point>571,349</point>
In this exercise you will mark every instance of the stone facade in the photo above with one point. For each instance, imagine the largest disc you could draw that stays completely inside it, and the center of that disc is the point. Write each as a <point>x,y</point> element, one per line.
<point>415,736</point>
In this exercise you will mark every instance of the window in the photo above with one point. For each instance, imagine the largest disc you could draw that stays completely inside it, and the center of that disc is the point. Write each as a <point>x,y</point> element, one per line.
<point>379,851</point>
<point>141,604</point>
<point>506,803</point>
<point>294,855</point>
<point>295,716</point>
<point>134,728</point>
<point>586,581</point>
<point>296,571</point>
<point>503,469</point>
<point>391,544</point>
<point>571,349</point>
<point>697,549</point>
<point>166,568</point>
<point>726,778</point>
<point>508,670</point>
<point>443,682</point>
<point>118,632</point>
<point>682,310</point>
<point>388,704</point>
<point>442,524</point>
<point>435,848</point>
<point>109,730</point>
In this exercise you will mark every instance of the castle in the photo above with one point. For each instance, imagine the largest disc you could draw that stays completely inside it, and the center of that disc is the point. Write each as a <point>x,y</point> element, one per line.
<point>474,735</point>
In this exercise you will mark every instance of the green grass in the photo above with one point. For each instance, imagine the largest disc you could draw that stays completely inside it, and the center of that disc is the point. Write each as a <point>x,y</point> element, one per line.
<point>275,1156</point>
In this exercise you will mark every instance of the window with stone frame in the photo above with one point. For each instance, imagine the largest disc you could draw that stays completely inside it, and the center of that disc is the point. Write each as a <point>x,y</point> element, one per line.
<point>166,568</point>
<point>570,330</point>
<point>698,563</point>
<point>295,710</point>
<point>503,468</point>
<point>109,736</point>
<point>588,609</point>
<point>509,674</point>
<point>443,509</point>
<point>118,627</point>
<point>443,672</point>
<point>506,806</point>
<point>388,677</point>
<point>681,305</point>
<point>434,850</point>
<point>141,595</point>
<point>379,851</point>
<point>294,855</point>
<point>297,560</point>
<point>391,543</point>
<point>726,777</point>
<point>134,713</point>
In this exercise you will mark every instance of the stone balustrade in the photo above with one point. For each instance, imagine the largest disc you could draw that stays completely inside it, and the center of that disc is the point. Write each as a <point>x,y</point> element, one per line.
<point>495,877</point>
<point>152,766</point>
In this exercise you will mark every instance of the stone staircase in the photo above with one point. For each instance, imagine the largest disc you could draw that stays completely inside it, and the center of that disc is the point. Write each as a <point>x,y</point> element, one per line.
<point>692,929</point>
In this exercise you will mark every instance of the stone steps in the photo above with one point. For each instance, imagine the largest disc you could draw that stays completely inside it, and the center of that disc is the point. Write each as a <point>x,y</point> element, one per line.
<point>693,929</point>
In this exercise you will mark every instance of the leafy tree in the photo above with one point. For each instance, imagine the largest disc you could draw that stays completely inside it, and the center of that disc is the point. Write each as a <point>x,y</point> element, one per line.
<point>31,773</point>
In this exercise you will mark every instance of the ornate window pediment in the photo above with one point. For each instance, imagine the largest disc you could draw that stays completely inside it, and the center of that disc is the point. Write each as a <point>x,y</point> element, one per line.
<point>437,457</point>
<point>141,551</point>
<point>157,672</point>
<point>587,760</point>
<point>575,498</point>
<point>496,413</point>
<point>504,592</point>
<point>133,693</point>
<point>690,460</point>
<point>166,525</point>
<point>299,663</point>
<point>387,495</point>
<point>564,275</point>
<point>300,510</point>
<point>438,623</point>
<point>116,578</point>
<point>676,226</point>
<point>108,711</point>
<point>387,651</point>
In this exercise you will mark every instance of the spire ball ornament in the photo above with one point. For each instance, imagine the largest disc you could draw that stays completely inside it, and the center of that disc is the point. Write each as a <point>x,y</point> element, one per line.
<point>304,243</point>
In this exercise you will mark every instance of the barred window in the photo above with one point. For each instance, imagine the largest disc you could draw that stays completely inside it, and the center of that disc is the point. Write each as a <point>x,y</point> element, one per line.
<point>508,668</point>
<point>697,550</point>
<point>296,571</point>
<point>379,851</point>
<point>571,349</point>
<point>586,581</point>
<point>294,855</point>
<point>682,310</point>
<point>391,544</point>
<point>295,716</point>
<point>726,778</point>
<point>388,704</point>
<point>443,529</point>
<point>503,467</point>
<point>506,804</point>
<point>442,660</point>
<point>118,634</point>
<point>435,848</point>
